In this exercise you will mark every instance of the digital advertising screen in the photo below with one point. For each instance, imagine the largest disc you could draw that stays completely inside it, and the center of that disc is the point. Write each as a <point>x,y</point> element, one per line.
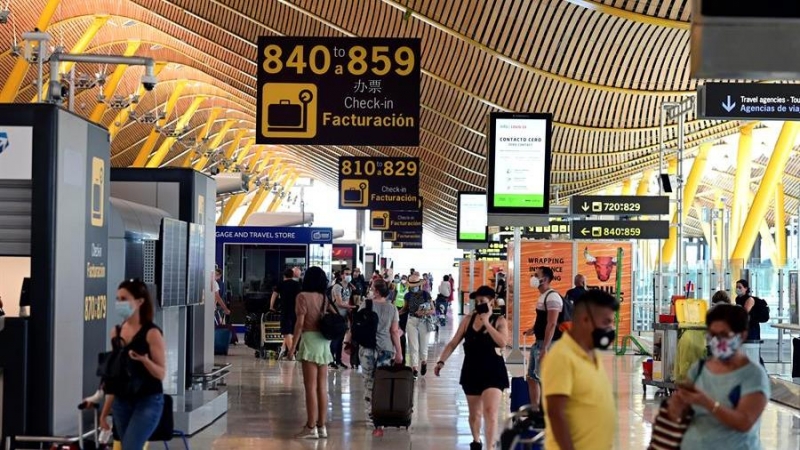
<point>472,219</point>
<point>519,163</point>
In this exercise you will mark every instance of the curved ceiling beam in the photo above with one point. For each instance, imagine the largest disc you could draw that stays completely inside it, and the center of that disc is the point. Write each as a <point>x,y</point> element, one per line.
<point>502,57</point>
<point>631,15</point>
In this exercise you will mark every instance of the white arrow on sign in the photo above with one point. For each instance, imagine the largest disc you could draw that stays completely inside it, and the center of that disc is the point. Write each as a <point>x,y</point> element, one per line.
<point>729,105</point>
<point>585,206</point>
<point>584,231</point>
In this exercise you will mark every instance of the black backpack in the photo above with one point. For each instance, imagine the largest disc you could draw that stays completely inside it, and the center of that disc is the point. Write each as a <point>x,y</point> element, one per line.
<point>365,326</point>
<point>760,311</point>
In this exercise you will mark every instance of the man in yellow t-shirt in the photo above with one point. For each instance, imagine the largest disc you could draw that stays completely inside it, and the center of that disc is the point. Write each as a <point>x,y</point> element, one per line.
<point>578,399</point>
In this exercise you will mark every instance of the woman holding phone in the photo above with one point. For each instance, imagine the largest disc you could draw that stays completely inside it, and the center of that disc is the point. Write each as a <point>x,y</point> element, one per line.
<point>727,392</point>
<point>483,374</point>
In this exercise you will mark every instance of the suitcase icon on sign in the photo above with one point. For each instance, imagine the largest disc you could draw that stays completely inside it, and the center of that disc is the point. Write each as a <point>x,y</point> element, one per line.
<point>354,193</point>
<point>380,222</point>
<point>286,116</point>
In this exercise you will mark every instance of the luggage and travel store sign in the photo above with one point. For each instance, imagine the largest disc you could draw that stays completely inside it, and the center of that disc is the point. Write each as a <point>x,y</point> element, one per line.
<point>379,183</point>
<point>338,91</point>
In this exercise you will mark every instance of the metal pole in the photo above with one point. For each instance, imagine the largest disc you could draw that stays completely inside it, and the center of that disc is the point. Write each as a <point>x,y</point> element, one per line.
<point>40,85</point>
<point>712,267</point>
<point>516,356</point>
<point>725,235</point>
<point>72,89</point>
<point>780,314</point>
<point>659,279</point>
<point>679,199</point>
<point>471,276</point>
<point>303,206</point>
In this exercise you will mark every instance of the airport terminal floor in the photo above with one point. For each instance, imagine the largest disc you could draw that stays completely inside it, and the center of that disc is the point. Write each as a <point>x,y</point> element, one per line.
<point>267,409</point>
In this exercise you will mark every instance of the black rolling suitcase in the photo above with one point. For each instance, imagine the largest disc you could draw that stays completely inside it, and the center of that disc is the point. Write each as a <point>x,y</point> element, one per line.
<point>393,397</point>
<point>252,331</point>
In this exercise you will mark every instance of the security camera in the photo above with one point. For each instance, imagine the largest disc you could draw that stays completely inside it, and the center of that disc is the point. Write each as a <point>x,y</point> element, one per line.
<point>4,13</point>
<point>215,170</point>
<point>149,82</point>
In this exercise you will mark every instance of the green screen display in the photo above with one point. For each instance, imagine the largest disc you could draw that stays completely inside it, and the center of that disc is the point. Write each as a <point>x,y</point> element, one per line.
<point>519,200</point>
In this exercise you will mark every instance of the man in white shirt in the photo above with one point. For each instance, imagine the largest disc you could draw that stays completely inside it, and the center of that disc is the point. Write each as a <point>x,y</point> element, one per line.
<point>215,289</point>
<point>545,328</point>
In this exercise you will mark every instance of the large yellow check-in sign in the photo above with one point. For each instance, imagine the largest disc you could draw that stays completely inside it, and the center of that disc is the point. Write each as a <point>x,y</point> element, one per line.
<point>341,91</point>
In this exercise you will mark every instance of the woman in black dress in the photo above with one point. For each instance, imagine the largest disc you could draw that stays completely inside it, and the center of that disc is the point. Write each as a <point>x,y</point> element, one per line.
<point>483,375</point>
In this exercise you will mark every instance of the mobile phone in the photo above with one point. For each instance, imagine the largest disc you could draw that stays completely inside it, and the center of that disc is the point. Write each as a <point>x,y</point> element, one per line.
<point>482,308</point>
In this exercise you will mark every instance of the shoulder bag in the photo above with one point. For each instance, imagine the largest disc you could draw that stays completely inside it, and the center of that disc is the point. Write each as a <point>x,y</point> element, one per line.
<point>668,432</point>
<point>331,324</point>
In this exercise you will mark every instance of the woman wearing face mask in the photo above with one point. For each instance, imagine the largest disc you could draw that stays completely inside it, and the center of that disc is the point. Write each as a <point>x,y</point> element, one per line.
<point>136,408</point>
<point>418,305</point>
<point>728,392</point>
<point>744,298</point>
<point>483,374</point>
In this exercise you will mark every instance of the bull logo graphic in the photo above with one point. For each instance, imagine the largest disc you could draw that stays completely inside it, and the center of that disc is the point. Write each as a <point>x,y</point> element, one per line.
<point>603,265</point>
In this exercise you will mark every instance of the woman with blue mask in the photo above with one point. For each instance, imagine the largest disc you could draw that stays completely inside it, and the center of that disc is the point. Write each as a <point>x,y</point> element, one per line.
<point>727,393</point>
<point>136,403</point>
<point>418,305</point>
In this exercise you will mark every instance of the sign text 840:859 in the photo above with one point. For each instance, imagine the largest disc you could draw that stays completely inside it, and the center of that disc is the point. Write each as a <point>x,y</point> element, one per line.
<point>318,60</point>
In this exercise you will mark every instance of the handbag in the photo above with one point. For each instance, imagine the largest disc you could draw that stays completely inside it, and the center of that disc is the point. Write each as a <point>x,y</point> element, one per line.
<point>668,432</point>
<point>114,367</point>
<point>332,325</point>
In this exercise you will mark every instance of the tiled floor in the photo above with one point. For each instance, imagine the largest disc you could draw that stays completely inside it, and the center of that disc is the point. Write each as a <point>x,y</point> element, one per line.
<point>267,409</point>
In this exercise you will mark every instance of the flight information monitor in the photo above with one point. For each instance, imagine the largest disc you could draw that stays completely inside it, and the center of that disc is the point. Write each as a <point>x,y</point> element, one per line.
<point>519,163</point>
<point>472,219</point>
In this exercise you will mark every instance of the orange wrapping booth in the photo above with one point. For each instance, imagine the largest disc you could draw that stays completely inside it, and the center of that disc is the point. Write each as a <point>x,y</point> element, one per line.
<point>567,259</point>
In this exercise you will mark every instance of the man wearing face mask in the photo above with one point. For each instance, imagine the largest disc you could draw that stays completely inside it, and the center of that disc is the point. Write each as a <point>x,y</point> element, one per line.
<point>577,392</point>
<point>544,328</point>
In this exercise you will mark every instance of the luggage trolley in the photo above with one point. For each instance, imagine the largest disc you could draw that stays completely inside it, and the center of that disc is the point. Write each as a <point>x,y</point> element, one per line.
<point>271,339</point>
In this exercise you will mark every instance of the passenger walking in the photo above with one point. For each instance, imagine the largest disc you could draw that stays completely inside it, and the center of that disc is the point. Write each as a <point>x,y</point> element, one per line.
<point>340,295</point>
<point>578,398</point>
<point>444,295</point>
<point>313,351</point>
<point>287,291</point>
<point>400,303</point>
<point>745,299</point>
<point>418,306</point>
<point>545,328</point>
<point>360,287</point>
<point>387,343</point>
<point>483,374</point>
<point>135,398</point>
<point>729,393</point>
<point>720,297</point>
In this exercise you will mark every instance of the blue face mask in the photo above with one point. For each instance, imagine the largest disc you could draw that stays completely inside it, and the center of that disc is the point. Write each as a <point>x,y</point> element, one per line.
<point>124,310</point>
<point>415,289</point>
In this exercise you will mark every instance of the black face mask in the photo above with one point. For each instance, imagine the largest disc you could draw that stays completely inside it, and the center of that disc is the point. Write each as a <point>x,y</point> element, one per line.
<point>602,338</point>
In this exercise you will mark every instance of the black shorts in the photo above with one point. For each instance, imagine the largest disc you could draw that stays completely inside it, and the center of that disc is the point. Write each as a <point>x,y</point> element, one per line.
<point>478,388</point>
<point>288,322</point>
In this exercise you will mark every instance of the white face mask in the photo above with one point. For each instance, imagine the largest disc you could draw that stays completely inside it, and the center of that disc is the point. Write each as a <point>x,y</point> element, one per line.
<point>535,282</point>
<point>740,291</point>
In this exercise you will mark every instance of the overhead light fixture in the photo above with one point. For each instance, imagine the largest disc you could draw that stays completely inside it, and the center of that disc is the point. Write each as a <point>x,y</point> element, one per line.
<point>129,23</point>
<point>156,47</point>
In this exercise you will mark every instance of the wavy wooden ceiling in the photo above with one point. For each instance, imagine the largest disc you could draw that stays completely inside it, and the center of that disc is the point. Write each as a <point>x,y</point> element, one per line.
<point>603,68</point>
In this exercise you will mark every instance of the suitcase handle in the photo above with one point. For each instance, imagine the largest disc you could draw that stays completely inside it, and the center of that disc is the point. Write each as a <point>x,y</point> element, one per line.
<point>285,102</point>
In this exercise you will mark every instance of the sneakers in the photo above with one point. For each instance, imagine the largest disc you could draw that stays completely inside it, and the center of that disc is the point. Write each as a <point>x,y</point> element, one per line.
<point>308,433</point>
<point>475,445</point>
<point>415,372</point>
<point>424,369</point>
<point>333,366</point>
<point>342,365</point>
<point>322,432</point>
<point>377,432</point>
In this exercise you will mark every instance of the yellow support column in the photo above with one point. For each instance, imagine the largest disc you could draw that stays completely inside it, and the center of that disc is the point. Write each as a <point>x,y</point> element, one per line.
<point>772,174</point>
<point>689,192</point>
<point>234,202</point>
<point>718,205</point>
<point>152,138</point>
<point>113,81</point>
<point>201,164</point>
<point>245,150</point>
<point>9,92</point>
<point>255,203</point>
<point>276,202</point>
<point>99,21</point>
<point>162,152</point>
<point>125,114</point>
<point>627,187</point>
<point>741,182</point>
<point>203,134</point>
<point>644,184</point>
<point>780,224</point>
<point>237,139</point>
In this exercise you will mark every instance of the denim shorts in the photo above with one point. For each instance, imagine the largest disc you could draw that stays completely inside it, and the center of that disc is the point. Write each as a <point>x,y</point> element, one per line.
<point>533,362</point>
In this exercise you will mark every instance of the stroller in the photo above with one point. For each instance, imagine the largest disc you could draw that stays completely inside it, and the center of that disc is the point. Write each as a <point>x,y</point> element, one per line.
<point>523,431</point>
<point>441,311</point>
